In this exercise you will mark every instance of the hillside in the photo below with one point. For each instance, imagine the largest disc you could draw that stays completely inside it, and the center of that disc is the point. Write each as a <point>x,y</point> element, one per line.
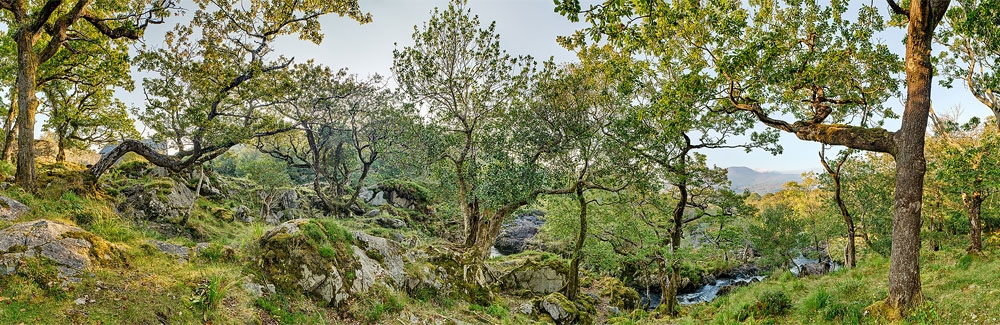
<point>744,178</point>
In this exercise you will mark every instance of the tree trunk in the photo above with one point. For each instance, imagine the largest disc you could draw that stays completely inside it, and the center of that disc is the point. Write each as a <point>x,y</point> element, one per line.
<point>573,284</point>
<point>139,148</point>
<point>27,104</point>
<point>9,127</point>
<point>849,251</point>
<point>670,296</point>
<point>973,204</point>
<point>904,268</point>
<point>61,149</point>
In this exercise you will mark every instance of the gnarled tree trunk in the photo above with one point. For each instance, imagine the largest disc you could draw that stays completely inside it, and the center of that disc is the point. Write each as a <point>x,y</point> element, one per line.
<point>27,105</point>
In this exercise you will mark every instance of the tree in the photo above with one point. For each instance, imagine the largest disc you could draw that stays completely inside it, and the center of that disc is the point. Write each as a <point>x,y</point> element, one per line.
<point>475,94</point>
<point>970,32</point>
<point>343,127</point>
<point>576,103</point>
<point>833,168</point>
<point>81,115</point>
<point>79,95</point>
<point>868,189</point>
<point>809,62</point>
<point>41,30</point>
<point>967,166</point>
<point>219,83</point>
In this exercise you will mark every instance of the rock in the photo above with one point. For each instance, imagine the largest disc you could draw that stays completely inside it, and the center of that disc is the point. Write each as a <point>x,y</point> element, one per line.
<point>526,308</point>
<point>288,200</point>
<point>561,309</point>
<point>618,294</point>
<point>390,222</point>
<point>329,264</point>
<point>614,310</point>
<point>814,268</point>
<point>10,209</point>
<point>371,197</point>
<point>243,214</point>
<point>286,207</point>
<point>373,212</point>
<point>181,252</point>
<point>71,249</point>
<point>515,234</point>
<point>257,290</point>
<point>160,205</point>
<point>536,274</point>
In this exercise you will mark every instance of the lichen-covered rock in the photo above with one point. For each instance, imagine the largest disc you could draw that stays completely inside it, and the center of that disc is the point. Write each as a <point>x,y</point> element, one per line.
<point>534,273</point>
<point>162,200</point>
<point>287,206</point>
<point>71,249</point>
<point>243,214</point>
<point>559,308</point>
<point>392,223</point>
<point>10,209</point>
<point>325,261</point>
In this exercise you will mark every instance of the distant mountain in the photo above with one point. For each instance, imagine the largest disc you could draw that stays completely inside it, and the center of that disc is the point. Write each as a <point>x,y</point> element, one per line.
<point>744,178</point>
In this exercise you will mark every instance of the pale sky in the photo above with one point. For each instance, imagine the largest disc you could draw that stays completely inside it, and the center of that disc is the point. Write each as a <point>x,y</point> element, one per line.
<point>526,27</point>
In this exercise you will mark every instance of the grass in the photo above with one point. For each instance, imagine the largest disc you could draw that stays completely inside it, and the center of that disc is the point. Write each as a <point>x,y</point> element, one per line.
<point>153,287</point>
<point>955,285</point>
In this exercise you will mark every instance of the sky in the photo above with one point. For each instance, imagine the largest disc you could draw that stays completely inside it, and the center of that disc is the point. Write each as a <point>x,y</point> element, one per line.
<point>526,27</point>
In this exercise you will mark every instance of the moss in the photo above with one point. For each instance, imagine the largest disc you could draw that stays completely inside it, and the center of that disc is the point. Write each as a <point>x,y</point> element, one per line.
<point>105,253</point>
<point>618,294</point>
<point>380,302</point>
<point>44,273</point>
<point>16,249</point>
<point>407,189</point>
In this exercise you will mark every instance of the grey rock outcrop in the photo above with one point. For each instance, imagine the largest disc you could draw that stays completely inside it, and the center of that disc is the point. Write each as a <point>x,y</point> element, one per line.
<point>534,274</point>
<point>286,207</point>
<point>515,235</point>
<point>160,206</point>
<point>71,249</point>
<point>336,268</point>
<point>392,223</point>
<point>10,209</point>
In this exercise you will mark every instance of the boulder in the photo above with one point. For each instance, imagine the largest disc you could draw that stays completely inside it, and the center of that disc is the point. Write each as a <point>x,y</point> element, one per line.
<point>814,268</point>
<point>326,262</point>
<point>259,290</point>
<point>243,214</point>
<point>559,308</point>
<point>392,223</point>
<point>617,293</point>
<point>71,249</point>
<point>183,253</point>
<point>286,207</point>
<point>10,209</point>
<point>515,234</point>
<point>533,274</point>
<point>161,205</point>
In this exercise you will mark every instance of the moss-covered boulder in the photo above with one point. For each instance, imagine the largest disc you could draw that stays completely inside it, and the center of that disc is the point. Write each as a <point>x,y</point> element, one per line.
<point>325,261</point>
<point>71,249</point>
<point>561,309</point>
<point>528,274</point>
<point>617,293</point>
<point>159,204</point>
